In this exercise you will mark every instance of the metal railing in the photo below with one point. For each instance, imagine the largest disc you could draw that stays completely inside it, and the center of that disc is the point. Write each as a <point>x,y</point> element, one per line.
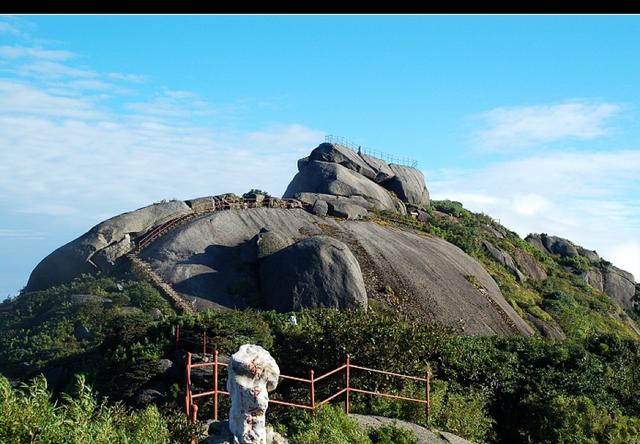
<point>191,407</point>
<point>389,158</point>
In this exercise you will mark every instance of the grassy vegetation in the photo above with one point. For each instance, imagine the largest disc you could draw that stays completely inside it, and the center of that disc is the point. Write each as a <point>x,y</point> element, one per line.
<point>563,299</point>
<point>487,389</point>
<point>29,415</point>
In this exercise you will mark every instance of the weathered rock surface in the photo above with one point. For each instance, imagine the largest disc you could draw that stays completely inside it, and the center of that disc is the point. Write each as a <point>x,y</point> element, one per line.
<point>503,258</point>
<point>616,283</point>
<point>328,152</point>
<point>589,254</point>
<point>425,436</point>
<point>270,241</point>
<point>552,244</point>
<point>252,374</point>
<point>211,260</point>
<point>620,286</point>
<point>107,240</point>
<point>492,231</point>
<point>380,167</point>
<point>320,207</point>
<point>594,278</point>
<point>408,184</point>
<point>333,178</point>
<point>529,265</point>
<point>320,271</point>
<point>347,210</point>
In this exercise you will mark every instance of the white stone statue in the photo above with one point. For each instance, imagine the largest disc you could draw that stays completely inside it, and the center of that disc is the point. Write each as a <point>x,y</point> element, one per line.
<point>252,374</point>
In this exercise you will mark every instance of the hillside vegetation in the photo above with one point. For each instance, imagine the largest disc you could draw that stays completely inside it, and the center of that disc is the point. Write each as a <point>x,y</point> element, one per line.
<point>119,334</point>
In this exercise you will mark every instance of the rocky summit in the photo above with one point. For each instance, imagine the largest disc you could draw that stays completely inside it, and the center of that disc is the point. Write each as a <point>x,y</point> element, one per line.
<point>341,237</point>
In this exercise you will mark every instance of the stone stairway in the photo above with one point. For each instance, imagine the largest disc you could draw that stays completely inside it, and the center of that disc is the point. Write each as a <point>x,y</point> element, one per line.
<point>144,271</point>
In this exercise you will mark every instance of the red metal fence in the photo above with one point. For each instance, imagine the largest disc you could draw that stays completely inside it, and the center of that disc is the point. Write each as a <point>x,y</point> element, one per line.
<point>191,407</point>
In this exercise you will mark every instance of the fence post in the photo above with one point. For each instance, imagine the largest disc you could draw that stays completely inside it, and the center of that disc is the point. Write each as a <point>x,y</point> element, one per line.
<point>313,391</point>
<point>215,385</point>
<point>427,394</point>
<point>204,344</point>
<point>177,336</point>
<point>346,402</point>
<point>187,392</point>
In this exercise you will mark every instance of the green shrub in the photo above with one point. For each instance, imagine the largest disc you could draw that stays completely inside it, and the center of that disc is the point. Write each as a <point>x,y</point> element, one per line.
<point>29,415</point>
<point>327,425</point>
<point>392,434</point>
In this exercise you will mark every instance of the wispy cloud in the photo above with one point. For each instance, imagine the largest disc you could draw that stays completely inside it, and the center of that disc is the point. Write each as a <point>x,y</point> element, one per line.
<point>17,52</point>
<point>71,154</point>
<point>13,234</point>
<point>18,97</point>
<point>588,197</point>
<point>515,127</point>
<point>8,28</point>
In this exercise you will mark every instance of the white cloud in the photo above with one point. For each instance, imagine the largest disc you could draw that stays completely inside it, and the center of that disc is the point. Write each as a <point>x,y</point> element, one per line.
<point>51,70</point>
<point>7,28</point>
<point>513,127</point>
<point>22,98</point>
<point>626,253</point>
<point>588,197</point>
<point>16,52</point>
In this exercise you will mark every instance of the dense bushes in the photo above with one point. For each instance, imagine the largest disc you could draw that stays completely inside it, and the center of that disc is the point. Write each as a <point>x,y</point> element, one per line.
<point>30,415</point>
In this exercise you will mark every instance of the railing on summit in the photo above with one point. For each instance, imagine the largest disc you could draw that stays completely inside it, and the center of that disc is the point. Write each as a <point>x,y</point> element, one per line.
<point>345,370</point>
<point>389,158</point>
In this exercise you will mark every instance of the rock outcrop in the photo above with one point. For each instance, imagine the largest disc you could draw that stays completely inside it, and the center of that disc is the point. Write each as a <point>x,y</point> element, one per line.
<point>503,258</point>
<point>594,278</point>
<point>529,265</point>
<point>616,283</point>
<point>212,260</point>
<point>620,286</point>
<point>333,178</point>
<point>336,170</point>
<point>368,423</point>
<point>319,271</point>
<point>99,248</point>
<point>552,244</point>
<point>408,184</point>
<point>252,374</point>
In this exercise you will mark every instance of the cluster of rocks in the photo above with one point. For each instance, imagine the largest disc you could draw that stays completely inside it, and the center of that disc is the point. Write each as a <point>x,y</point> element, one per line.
<point>288,258</point>
<point>340,182</point>
<point>618,284</point>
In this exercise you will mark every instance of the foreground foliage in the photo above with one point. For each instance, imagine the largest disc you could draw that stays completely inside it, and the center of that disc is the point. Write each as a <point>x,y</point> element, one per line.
<point>30,416</point>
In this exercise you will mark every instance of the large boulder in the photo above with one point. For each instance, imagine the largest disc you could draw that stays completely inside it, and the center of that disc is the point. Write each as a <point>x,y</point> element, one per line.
<point>270,241</point>
<point>620,286</point>
<point>558,245</point>
<point>552,245</point>
<point>107,241</point>
<point>333,178</point>
<point>380,167</point>
<point>319,271</point>
<point>408,184</point>
<point>328,152</point>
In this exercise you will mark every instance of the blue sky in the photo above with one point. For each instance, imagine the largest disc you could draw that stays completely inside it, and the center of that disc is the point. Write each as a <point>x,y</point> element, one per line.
<point>532,120</point>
